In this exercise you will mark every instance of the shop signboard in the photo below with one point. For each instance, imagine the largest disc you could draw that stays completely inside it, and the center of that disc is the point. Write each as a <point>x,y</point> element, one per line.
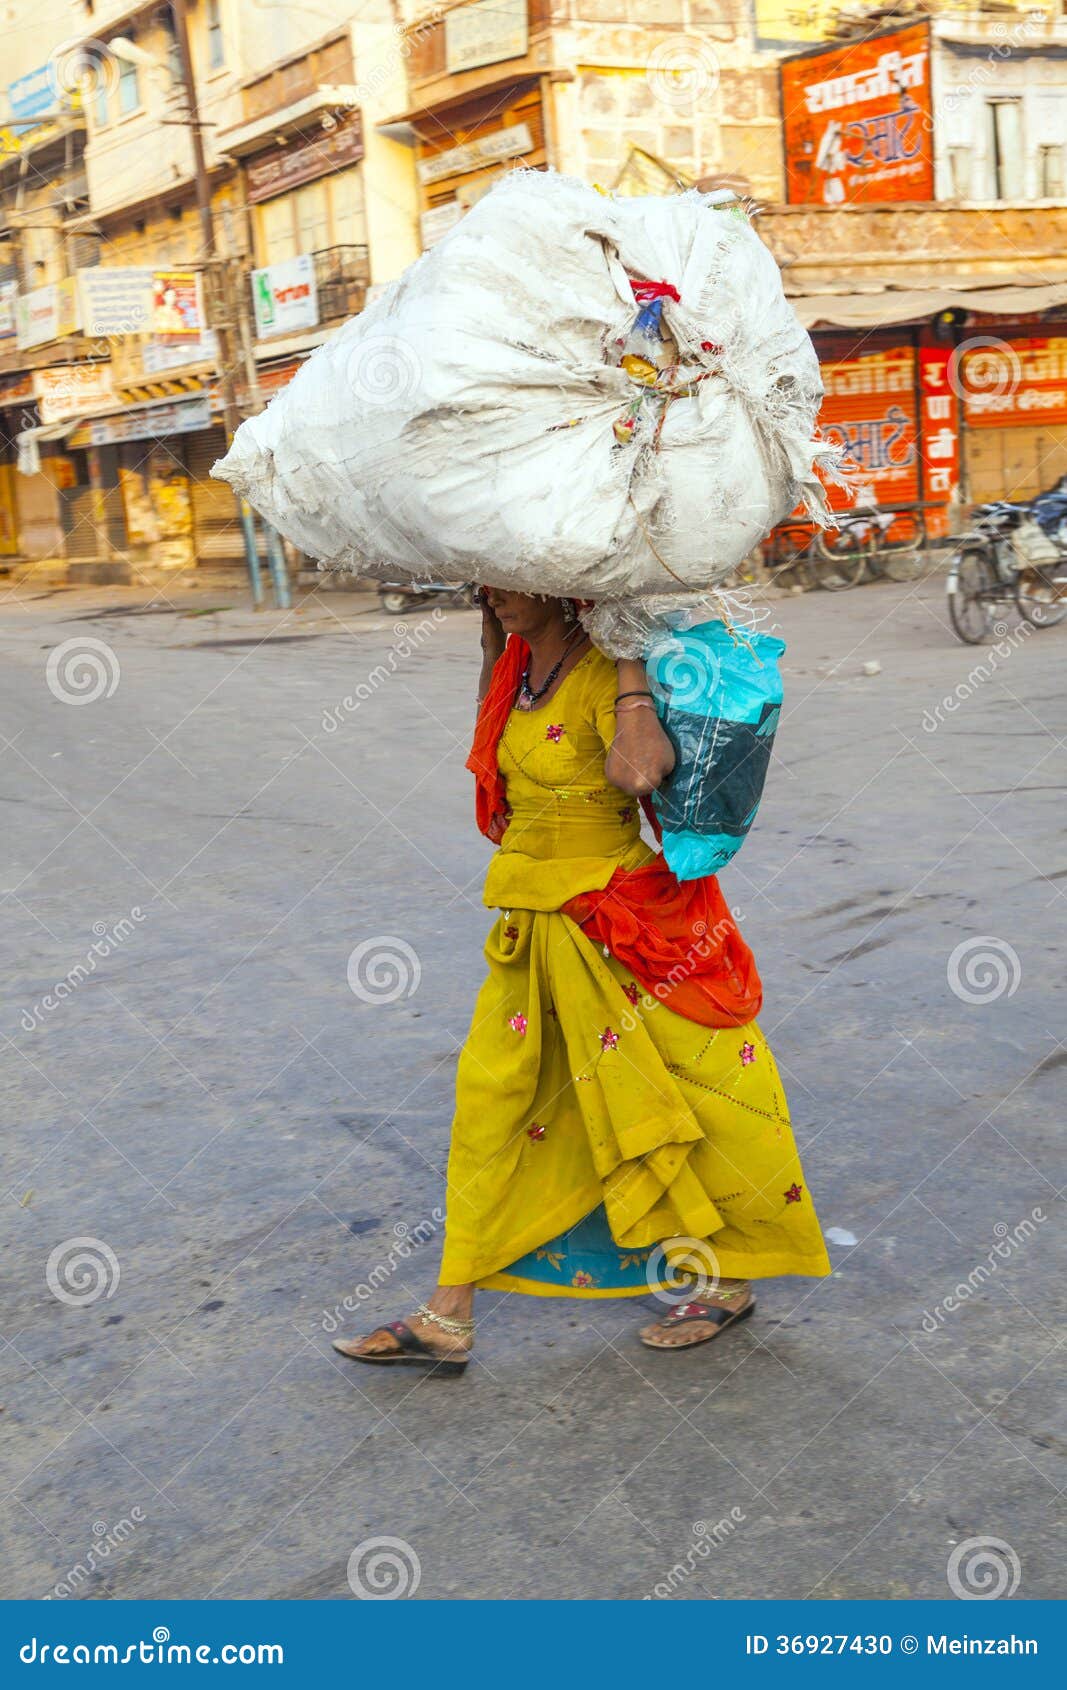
<point>284,296</point>
<point>8,297</point>
<point>151,422</point>
<point>115,300</point>
<point>46,313</point>
<point>72,390</point>
<point>31,96</point>
<point>485,33</point>
<point>158,356</point>
<point>302,160</point>
<point>869,409</point>
<point>510,142</point>
<point>176,304</point>
<point>940,431</point>
<point>857,121</point>
<point>1011,383</point>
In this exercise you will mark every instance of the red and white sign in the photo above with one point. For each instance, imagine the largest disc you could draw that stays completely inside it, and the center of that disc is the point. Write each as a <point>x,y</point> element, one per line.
<point>870,410</point>
<point>857,121</point>
<point>1012,383</point>
<point>940,432</point>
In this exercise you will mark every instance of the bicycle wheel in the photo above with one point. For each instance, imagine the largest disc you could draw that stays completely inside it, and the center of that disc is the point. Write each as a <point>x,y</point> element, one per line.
<point>839,563</point>
<point>971,583</point>
<point>1038,597</point>
<point>902,565</point>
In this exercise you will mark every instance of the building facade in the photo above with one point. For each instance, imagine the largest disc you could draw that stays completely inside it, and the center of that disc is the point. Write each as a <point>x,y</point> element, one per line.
<point>908,162</point>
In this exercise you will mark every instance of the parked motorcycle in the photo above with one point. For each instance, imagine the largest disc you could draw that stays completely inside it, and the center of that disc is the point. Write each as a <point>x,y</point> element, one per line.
<point>1014,552</point>
<point>396,597</point>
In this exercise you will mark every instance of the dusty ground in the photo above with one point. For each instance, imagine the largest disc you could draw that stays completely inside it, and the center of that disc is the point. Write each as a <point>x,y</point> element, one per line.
<point>244,1142</point>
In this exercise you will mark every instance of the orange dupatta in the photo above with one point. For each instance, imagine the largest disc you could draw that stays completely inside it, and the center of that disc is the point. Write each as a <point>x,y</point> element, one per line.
<point>678,938</point>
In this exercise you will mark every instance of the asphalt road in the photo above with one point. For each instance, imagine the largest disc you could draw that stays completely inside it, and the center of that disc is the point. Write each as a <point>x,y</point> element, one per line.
<point>245,1141</point>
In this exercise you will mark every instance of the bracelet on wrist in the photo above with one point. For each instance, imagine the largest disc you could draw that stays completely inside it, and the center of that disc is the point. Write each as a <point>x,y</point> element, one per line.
<point>638,693</point>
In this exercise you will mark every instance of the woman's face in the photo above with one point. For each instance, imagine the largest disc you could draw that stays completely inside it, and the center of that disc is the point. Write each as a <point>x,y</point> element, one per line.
<point>523,613</point>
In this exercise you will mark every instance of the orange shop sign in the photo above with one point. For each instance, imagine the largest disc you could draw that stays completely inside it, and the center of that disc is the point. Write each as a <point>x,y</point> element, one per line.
<point>857,121</point>
<point>1013,382</point>
<point>869,409</point>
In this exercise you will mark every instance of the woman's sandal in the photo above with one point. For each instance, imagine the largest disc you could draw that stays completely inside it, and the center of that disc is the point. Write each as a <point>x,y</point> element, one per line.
<point>411,1350</point>
<point>718,1317</point>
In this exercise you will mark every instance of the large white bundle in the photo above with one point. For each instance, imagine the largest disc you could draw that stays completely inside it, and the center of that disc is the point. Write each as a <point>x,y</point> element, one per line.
<point>462,427</point>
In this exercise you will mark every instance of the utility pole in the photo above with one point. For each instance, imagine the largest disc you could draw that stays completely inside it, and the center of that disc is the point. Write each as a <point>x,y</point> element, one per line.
<point>221,295</point>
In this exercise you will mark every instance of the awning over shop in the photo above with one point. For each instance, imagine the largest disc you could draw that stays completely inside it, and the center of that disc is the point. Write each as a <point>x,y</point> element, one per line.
<point>29,443</point>
<point>868,308</point>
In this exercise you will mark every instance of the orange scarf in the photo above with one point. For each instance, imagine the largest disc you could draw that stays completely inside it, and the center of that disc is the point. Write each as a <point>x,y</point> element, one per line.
<point>678,938</point>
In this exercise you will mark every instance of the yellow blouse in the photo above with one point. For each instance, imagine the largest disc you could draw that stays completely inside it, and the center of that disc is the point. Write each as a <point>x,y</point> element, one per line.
<point>569,829</point>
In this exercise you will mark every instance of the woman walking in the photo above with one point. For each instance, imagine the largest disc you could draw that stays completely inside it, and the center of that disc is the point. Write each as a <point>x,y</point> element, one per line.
<point>619,1116</point>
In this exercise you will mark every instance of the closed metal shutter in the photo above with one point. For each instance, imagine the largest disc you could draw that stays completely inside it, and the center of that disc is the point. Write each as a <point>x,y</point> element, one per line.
<point>217,531</point>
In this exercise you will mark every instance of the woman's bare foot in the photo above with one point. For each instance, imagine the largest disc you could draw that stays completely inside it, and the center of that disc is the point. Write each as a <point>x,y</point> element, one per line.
<point>452,1303</point>
<point>683,1327</point>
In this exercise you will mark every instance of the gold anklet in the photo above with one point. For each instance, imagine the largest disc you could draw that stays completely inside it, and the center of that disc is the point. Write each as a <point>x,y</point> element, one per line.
<point>456,1328</point>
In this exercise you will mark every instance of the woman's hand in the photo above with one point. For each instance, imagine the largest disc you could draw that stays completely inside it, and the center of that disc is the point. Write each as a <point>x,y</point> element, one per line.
<point>641,755</point>
<point>494,640</point>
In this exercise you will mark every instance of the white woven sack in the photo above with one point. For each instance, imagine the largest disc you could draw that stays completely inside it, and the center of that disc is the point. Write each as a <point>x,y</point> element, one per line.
<point>461,428</point>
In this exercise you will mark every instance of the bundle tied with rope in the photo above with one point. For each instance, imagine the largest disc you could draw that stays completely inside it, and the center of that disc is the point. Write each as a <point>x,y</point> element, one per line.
<point>601,398</point>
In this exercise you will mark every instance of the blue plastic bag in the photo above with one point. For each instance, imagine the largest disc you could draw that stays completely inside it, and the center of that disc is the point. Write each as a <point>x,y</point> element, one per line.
<point>719,696</point>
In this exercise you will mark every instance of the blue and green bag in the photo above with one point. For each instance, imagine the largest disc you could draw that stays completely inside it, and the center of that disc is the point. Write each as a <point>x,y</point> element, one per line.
<point>719,696</point>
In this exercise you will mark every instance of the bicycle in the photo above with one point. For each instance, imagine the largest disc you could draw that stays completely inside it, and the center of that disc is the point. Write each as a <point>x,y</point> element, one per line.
<point>861,547</point>
<point>987,571</point>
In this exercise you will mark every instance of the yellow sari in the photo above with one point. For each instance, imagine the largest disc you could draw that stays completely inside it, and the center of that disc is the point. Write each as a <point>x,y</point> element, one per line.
<point>597,1133</point>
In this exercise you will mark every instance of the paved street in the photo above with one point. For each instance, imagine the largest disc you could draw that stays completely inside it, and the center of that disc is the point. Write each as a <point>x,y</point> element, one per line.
<point>241,1139</point>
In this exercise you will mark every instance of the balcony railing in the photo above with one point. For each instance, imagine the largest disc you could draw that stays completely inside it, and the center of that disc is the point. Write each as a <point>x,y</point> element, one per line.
<point>342,277</point>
